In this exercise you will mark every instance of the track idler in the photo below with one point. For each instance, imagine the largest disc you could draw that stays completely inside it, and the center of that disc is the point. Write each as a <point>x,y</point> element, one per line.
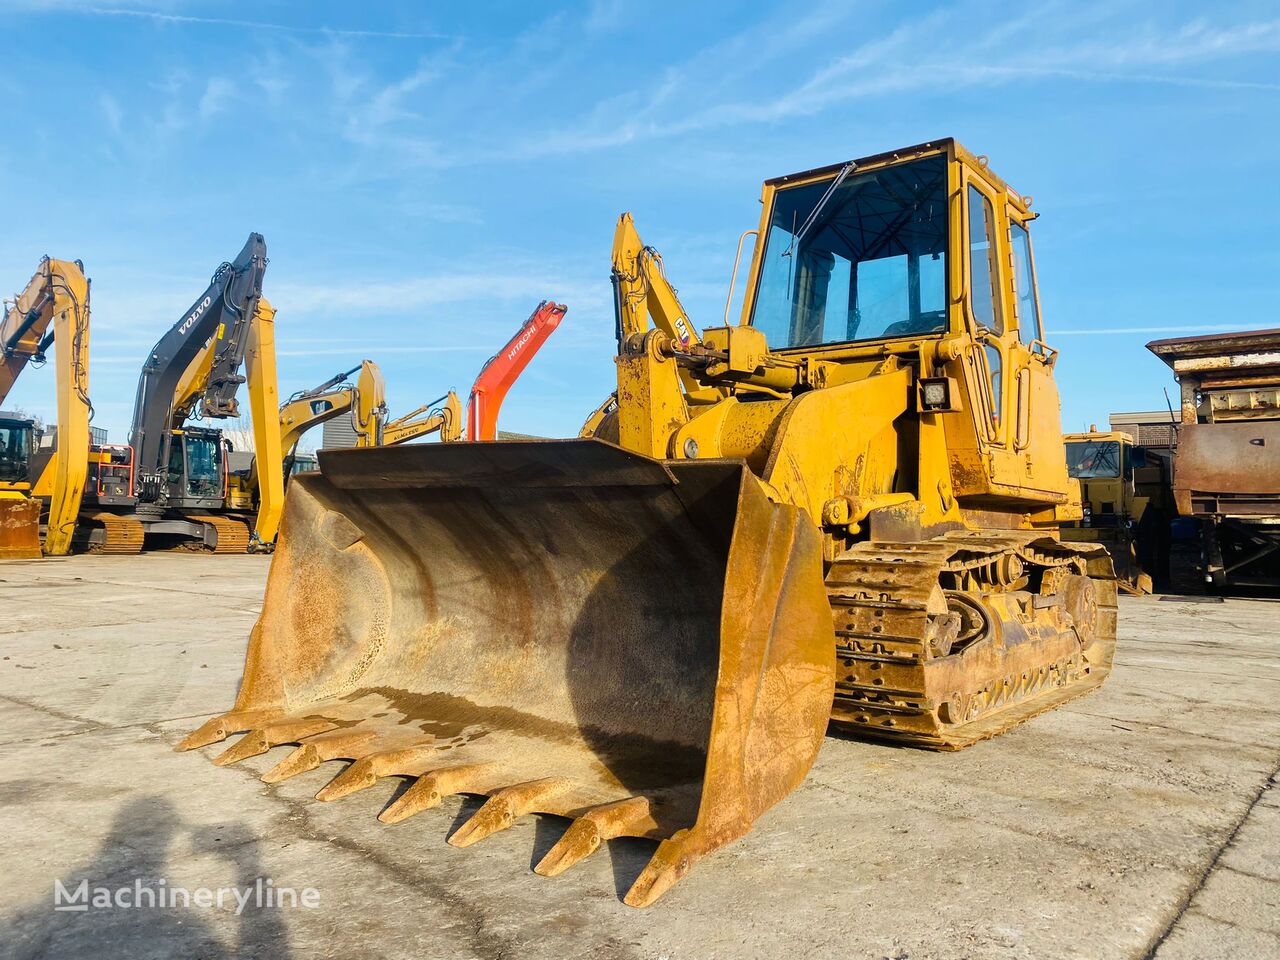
<point>562,627</point>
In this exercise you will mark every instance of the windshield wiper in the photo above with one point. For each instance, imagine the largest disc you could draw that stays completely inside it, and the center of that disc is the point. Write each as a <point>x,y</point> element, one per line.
<point>805,227</point>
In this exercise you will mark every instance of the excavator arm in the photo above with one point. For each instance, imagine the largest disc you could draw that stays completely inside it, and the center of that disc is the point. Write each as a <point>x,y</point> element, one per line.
<point>442,415</point>
<point>497,376</point>
<point>365,400</point>
<point>264,403</point>
<point>54,310</point>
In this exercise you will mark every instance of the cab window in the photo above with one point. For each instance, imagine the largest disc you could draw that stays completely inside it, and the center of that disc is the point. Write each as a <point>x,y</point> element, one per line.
<point>863,260</point>
<point>982,262</point>
<point>1024,285</point>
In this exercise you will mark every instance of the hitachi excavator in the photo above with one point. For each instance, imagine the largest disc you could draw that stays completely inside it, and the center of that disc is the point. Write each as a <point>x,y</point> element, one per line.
<point>842,510</point>
<point>170,481</point>
<point>445,415</point>
<point>53,310</point>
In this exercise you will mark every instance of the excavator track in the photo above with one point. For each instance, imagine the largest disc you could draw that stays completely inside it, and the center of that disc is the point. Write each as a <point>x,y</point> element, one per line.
<point>230,535</point>
<point>944,642</point>
<point>121,535</point>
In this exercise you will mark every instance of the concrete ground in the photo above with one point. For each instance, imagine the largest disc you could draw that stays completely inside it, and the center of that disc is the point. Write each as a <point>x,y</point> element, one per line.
<point>1140,821</point>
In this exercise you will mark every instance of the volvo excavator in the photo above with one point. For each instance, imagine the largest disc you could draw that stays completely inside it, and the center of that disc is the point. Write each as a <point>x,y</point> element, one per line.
<point>841,510</point>
<point>170,481</point>
<point>52,311</point>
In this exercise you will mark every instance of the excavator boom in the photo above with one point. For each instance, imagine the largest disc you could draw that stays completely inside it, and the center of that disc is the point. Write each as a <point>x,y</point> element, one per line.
<point>504,368</point>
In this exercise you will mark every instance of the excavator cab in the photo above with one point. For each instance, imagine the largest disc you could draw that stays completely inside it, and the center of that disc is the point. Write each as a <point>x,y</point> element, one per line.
<point>17,444</point>
<point>197,475</point>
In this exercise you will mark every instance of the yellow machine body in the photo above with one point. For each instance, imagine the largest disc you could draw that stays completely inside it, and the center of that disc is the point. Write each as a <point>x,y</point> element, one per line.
<point>811,516</point>
<point>54,306</point>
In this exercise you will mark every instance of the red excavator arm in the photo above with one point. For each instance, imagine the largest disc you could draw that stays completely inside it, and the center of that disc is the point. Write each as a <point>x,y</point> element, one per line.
<point>497,376</point>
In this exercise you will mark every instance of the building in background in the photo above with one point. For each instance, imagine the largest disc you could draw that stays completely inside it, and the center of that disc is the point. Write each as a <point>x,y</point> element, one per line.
<point>1155,430</point>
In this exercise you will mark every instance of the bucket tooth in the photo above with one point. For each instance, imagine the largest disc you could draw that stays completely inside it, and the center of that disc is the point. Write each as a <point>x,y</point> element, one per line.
<point>504,806</point>
<point>430,788</point>
<point>261,739</point>
<point>364,773</point>
<point>315,751</point>
<point>591,828</point>
<point>219,728</point>
<point>670,862</point>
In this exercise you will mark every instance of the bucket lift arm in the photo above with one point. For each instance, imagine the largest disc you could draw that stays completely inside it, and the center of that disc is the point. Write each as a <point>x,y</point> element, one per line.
<point>54,310</point>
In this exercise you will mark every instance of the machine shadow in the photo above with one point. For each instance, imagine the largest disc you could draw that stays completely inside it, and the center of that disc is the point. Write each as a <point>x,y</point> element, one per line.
<point>137,851</point>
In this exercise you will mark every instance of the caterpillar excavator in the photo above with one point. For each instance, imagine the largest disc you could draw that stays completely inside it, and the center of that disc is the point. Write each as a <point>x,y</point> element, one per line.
<point>841,510</point>
<point>53,310</point>
<point>170,481</point>
<point>362,400</point>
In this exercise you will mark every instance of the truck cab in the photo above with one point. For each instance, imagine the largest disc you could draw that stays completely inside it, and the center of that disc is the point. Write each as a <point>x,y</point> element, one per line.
<point>1126,500</point>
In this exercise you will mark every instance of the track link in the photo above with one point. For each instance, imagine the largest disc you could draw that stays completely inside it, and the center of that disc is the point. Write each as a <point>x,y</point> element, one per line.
<point>912,664</point>
<point>230,536</point>
<point>121,535</point>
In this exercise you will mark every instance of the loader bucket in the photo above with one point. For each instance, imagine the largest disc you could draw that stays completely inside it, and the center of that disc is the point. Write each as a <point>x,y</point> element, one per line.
<point>19,529</point>
<point>564,627</point>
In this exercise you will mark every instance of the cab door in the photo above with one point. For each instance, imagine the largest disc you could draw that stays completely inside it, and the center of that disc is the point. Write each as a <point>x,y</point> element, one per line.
<point>1035,429</point>
<point>987,362</point>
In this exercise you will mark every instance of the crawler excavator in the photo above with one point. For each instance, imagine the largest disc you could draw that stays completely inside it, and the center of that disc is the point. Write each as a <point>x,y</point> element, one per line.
<point>362,400</point>
<point>170,481</point>
<point>53,310</point>
<point>841,510</point>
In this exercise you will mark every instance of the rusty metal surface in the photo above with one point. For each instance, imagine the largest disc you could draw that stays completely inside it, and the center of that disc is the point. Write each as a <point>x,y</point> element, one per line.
<point>1240,459</point>
<point>19,529</point>
<point>647,653</point>
<point>1178,348</point>
<point>912,670</point>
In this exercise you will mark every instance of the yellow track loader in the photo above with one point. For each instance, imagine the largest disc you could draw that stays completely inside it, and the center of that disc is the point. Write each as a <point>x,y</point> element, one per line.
<point>842,509</point>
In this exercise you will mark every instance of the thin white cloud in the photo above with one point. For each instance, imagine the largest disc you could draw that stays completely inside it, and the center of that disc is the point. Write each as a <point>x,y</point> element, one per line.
<point>890,64</point>
<point>366,349</point>
<point>256,24</point>
<point>217,94</point>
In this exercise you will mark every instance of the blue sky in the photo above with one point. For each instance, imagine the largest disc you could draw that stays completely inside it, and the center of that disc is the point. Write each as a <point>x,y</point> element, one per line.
<point>425,173</point>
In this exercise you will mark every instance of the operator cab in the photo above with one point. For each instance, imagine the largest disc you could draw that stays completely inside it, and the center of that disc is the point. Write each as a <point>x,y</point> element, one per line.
<point>857,256</point>
<point>197,475</point>
<point>912,244</point>
<point>17,443</point>
<point>1094,459</point>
